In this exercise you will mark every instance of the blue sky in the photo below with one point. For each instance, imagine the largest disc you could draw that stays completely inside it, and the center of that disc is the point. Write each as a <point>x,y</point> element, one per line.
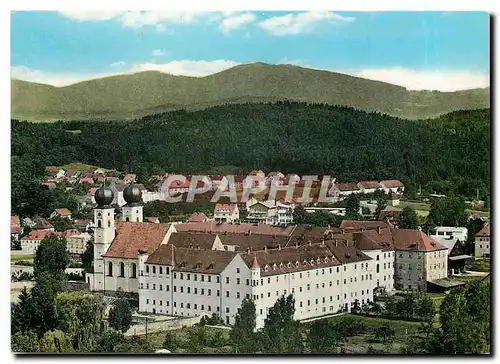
<point>419,50</point>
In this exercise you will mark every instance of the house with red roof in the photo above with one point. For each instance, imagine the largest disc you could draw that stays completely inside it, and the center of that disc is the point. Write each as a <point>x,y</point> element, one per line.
<point>342,190</point>
<point>369,186</point>
<point>198,217</point>
<point>393,185</point>
<point>153,220</point>
<point>129,177</point>
<point>226,213</point>
<point>63,212</point>
<point>15,227</point>
<point>482,242</point>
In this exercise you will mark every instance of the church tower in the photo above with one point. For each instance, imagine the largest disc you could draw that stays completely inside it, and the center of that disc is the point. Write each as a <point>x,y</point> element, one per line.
<point>132,211</point>
<point>104,233</point>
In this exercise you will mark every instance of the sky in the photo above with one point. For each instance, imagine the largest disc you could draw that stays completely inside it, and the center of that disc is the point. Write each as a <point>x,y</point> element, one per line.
<point>444,51</point>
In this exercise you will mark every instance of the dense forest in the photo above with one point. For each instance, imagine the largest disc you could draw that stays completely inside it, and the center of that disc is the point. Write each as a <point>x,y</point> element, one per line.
<point>450,154</point>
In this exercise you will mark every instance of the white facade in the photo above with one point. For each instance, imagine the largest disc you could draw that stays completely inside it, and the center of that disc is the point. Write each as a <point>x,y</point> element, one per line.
<point>482,246</point>
<point>226,213</point>
<point>451,233</point>
<point>263,212</point>
<point>77,244</point>
<point>415,268</point>
<point>132,213</point>
<point>383,269</point>
<point>284,213</point>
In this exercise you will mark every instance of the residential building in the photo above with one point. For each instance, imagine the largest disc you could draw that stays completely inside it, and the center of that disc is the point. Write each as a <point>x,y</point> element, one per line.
<point>64,212</point>
<point>450,233</point>
<point>342,190</point>
<point>392,185</point>
<point>419,259</point>
<point>262,212</point>
<point>284,213</point>
<point>393,199</point>
<point>369,186</point>
<point>198,217</point>
<point>482,242</point>
<point>15,227</point>
<point>226,213</point>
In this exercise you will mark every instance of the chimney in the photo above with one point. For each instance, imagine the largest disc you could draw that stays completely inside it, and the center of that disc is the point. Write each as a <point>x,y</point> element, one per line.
<point>249,250</point>
<point>322,242</point>
<point>296,244</point>
<point>343,231</point>
<point>336,243</point>
<point>309,242</point>
<point>362,229</point>
<point>279,246</point>
<point>378,229</point>
<point>265,248</point>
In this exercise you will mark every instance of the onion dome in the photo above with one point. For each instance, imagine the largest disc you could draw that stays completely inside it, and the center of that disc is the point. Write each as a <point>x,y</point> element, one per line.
<point>104,196</point>
<point>132,194</point>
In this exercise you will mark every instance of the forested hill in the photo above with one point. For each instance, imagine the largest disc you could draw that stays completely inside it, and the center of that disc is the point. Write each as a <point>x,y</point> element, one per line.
<point>144,93</point>
<point>451,153</point>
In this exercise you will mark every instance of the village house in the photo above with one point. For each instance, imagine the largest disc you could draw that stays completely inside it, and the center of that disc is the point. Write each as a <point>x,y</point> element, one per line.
<point>342,190</point>
<point>15,227</point>
<point>393,185</point>
<point>369,186</point>
<point>450,233</point>
<point>72,175</point>
<point>63,212</point>
<point>198,217</point>
<point>129,178</point>
<point>83,225</point>
<point>393,199</point>
<point>226,213</point>
<point>264,212</point>
<point>55,173</point>
<point>482,242</point>
<point>284,213</point>
<point>276,178</point>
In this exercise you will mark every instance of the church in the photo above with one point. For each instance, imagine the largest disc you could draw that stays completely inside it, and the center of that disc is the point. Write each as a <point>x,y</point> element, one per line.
<point>205,268</point>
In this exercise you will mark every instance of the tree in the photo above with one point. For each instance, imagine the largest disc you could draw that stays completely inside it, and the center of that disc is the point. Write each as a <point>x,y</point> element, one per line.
<point>448,211</point>
<point>197,339</point>
<point>55,342</point>
<point>384,333</point>
<point>425,309</point>
<point>15,244</point>
<point>323,337</point>
<point>109,341</point>
<point>356,307</point>
<point>299,215</point>
<point>281,333</point>
<point>408,219</point>
<point>170,342</point>
<point>120,316</point>
<point>381,205</point>
<point>242,334</point>
<point>51,257</point>
<point>135,345</point>
<point>25,342</point>
<point>352,207</point>
<point>62,223</point>
<point>88,256</point>
<point>21,312</point>
<point>350,326</point>
<point>80,316</point>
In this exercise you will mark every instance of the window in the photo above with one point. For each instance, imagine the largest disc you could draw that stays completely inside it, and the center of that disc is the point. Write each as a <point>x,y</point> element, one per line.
<point>154,286</point>
<point>175,288</point>
<point>237,281</point>
<point>182,276</point>
<point>308,287</point>
<point>268,294</point>
<point>277,293</point>
<point>134,271</point>
<point>227,280</point>
<point>154,269</point>
<point>237,294</point>
<point>218,293</point>
<point>142,286</point>
<point>227,311</point>
<point>189,277</point>
<point>209,292</point>
<point>202,278</point>
<point>308,302</point>
<point>203,291</point>
<point>122,269</point>
<point>161,303</point>
<point>248,282</point>
<point>161,270</point>
<point>196,277</point>
<point>188,305</point>
<point>147,301</point>
<point>300,303</point>
<point>175,275</point>
<point>378,268</point>
<point>261,282</point>
<point>237,270</point>
<point>110,269</point>
<point>182,289</point>
<point>227,293</point>
<point>196,290</point>
<point>182,305</point>
<point>167,288</point>
<point>188,289</point>
<point>209,308</point>
<point>147,268</point>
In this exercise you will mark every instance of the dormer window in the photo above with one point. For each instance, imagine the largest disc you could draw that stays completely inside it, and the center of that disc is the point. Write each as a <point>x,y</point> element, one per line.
<point>289,265</point>
<point>304,262</point>
<point>266,268</point>
<point>312,262</point>
<point>275,266</point>
<point>281,265</point>
<point>318,261</point>
<point>297,263</point>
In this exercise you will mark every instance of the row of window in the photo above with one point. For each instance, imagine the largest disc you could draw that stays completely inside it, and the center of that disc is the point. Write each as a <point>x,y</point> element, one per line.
<point>188,305</point>
<point>133,272</point>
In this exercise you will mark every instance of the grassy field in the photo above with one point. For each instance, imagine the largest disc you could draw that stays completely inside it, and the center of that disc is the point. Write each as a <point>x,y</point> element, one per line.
<point>422,206</point>
<point>17,255</point>
<point>478,265</point>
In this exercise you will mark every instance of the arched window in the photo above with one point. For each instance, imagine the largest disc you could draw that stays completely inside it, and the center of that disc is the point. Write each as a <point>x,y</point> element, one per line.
<point>109,223</point>
<point>137,219</point>
<point>134,271</point>
<point>127,219</point>
<point>110,269</point>
<point>122,269</point>
<point>99,223</point>
<point>378,258</point>
<point>377,268</point>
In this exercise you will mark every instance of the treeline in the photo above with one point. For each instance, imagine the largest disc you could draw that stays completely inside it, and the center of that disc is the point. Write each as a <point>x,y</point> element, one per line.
<point>447,155</point>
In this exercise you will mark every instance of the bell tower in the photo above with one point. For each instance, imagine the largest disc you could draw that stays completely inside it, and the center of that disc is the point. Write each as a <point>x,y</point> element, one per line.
<point>104,233</point>
<point>132,211</point>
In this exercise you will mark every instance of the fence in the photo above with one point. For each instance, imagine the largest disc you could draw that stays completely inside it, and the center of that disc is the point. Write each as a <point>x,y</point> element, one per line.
<point>164,325</point>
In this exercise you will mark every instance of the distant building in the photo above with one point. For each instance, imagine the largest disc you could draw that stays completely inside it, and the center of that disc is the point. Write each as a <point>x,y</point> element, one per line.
<point>198,217</point>
<point>15,227</point>
<point>393,185</point>
<point>64,212</point>
<point>342,190</point>
<point>482,242</point>
<point>369,186</point>
<point>226,213</point>
<point>450,233</point>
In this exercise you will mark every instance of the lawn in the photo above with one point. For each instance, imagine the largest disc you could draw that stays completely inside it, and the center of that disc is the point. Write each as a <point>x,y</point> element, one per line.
<point>400,326</point>
<point>478,265</point>
<point>16,255</point>
<point>422,206</point>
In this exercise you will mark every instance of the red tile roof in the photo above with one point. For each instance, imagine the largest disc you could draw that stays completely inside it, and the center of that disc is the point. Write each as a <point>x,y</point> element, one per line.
<point>405,239</point>
<point>43,224</point>
<point>132,237</point>
<point>14,221</point>
<point>359,225</point>
<point>370,184</point>
<point>392,183</point>
<point>485,231</point>
<point>63,212</point>
<point>192,260</point>
<point>348,186</point>
<point>253,241</point>
<point>220,207</point>
<point>211,226</point>
<point>198,217</point>
<point>192,240</point>
<point>154,220</point>
<point>36,235</point>
<point>15,229</point>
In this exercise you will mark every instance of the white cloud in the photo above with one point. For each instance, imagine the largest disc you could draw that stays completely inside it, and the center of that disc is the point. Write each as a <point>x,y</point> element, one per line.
<point>158,53</point>
<point>161,28</point>
<point>411,79</point>
<point>301,22</point>
<point>187,67</point>
<point>117,64</point>
<point>426,80</point>
<point>91,15</point>
<point>232,22</point>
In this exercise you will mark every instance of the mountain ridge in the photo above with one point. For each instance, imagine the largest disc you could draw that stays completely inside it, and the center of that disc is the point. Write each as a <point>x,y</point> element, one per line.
<point>134,95</point>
